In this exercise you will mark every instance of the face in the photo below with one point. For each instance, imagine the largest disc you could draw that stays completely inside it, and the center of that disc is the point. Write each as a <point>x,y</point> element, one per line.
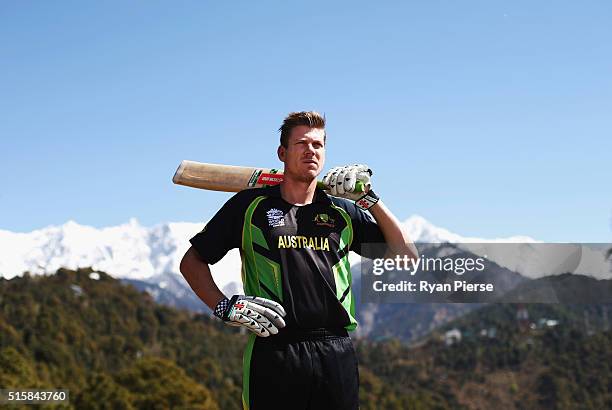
<point>304,156</point>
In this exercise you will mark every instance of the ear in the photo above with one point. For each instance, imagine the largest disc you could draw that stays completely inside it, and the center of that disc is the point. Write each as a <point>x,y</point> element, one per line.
<point>281,152</point>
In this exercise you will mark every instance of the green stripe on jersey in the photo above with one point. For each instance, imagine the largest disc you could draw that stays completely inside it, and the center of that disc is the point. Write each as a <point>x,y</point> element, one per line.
<point>342,270</point>
<point>246,371</point>
<point>343,279</point>
<point>249,279</point>
<point>346,236</point>
<point>258,237</point>
<point>257,270</point>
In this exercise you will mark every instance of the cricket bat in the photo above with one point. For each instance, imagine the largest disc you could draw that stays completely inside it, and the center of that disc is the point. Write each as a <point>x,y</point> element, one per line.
<point>230,178</point>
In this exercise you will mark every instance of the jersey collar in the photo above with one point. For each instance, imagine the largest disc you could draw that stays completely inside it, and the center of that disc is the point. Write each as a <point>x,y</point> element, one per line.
<point>320,195</point>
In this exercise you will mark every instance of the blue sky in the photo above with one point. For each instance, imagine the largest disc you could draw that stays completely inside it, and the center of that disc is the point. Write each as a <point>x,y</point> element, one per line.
<point>489,118</point>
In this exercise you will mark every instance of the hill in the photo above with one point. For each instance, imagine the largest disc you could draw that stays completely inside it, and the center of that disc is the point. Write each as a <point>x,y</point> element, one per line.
<point>490,358</point>
<point>114,347</point>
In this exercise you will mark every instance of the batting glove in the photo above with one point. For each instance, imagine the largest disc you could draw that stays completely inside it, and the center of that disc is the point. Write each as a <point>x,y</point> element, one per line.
<point>260,315</point>
<point>342,181</point>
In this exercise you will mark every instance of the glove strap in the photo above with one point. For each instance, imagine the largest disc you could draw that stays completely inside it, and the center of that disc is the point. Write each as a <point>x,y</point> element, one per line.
<point>221,308</point>
<point>367,201</point>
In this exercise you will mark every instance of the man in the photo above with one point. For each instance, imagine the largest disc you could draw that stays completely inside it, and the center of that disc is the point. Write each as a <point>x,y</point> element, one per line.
<point>294,240</point>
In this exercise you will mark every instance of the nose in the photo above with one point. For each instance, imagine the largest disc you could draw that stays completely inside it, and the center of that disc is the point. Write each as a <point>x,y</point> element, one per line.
<point>310,149</point>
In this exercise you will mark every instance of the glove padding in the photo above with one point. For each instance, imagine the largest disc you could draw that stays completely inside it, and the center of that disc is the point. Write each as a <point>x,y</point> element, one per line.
<point>260,315</point>
<point>341,181</point>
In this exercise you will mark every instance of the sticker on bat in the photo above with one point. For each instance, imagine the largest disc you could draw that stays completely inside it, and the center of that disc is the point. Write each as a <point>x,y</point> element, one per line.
<point>254,177</point>
<point>270,178</point>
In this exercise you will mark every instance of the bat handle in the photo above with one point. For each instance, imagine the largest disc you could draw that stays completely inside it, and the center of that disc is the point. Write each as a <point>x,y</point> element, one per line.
<point>359,186</point>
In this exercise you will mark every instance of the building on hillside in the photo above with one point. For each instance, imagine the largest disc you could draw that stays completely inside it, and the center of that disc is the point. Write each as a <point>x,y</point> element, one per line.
<point>452,336</point>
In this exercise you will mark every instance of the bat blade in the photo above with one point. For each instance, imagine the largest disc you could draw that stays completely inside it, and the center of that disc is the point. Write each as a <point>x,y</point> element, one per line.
<point>226,178</point>
<point>230,178</point>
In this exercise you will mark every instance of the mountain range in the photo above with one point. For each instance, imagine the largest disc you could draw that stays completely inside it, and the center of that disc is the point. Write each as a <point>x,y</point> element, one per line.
<point>149,258</point>
<point>132,251</point>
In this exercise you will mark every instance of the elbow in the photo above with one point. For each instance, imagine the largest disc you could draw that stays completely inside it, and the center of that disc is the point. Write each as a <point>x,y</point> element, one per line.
<point>410,248</point>
<point>192,263</point>
<point>187,263</point>
<point>407,249</point>
<point>404,246</point>
<point>183,265</point>
<point>412,251</point>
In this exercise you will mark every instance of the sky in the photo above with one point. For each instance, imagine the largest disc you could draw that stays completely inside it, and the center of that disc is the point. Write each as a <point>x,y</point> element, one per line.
<point>488,118</point>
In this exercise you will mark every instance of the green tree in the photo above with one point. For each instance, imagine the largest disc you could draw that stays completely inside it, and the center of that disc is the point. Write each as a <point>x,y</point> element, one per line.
<point>16,370</point>
<point>102,393</point>
<point>159,384</point>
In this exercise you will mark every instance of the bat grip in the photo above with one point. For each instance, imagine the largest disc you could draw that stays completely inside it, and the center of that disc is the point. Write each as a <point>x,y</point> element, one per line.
<point>359,186</point>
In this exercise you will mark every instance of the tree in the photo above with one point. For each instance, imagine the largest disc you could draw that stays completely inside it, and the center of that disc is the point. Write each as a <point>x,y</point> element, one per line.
<point>102,393</point>
<point>16,370</point>
<point>157,383</point>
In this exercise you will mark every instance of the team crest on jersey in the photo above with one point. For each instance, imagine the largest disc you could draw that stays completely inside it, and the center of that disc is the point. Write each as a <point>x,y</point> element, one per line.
<point>324,220</point>
<point>275,218</point>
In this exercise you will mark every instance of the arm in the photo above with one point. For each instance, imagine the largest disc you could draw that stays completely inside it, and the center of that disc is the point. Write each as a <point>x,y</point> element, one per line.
<point>396,237</point>
<point>259,315</point>
<point>197,273</point>
<point>342,182</point>
<point>222,233</point>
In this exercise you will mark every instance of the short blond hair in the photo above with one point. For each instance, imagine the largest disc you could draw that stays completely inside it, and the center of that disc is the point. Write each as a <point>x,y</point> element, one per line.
<point>310,118</point>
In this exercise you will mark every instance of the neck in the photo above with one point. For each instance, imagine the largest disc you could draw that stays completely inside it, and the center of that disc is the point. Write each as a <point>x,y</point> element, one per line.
<point>298,192</point>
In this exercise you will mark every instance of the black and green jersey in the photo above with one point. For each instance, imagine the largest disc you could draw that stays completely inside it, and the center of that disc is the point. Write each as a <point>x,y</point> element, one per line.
<point>296,255</point>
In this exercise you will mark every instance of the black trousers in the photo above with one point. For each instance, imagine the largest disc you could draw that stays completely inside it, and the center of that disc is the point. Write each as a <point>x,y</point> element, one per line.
<point>302,370</point>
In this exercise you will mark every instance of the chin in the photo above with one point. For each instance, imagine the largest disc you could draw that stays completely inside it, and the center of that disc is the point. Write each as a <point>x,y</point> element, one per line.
<point>313,172</point>
<point>309,175</point>
<point>308,169</point>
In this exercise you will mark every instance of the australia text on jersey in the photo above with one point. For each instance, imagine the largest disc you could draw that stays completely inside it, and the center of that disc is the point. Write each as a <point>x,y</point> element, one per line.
<point>299,241</point>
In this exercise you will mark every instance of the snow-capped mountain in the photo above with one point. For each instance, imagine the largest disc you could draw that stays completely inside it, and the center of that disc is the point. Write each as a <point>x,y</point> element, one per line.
<point>522,254</point>
<point>421,230</point>
<point>129,251</point>
<point>134,252</point>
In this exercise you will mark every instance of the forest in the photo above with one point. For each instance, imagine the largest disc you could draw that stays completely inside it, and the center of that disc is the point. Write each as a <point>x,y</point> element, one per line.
<point>113,347</point>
